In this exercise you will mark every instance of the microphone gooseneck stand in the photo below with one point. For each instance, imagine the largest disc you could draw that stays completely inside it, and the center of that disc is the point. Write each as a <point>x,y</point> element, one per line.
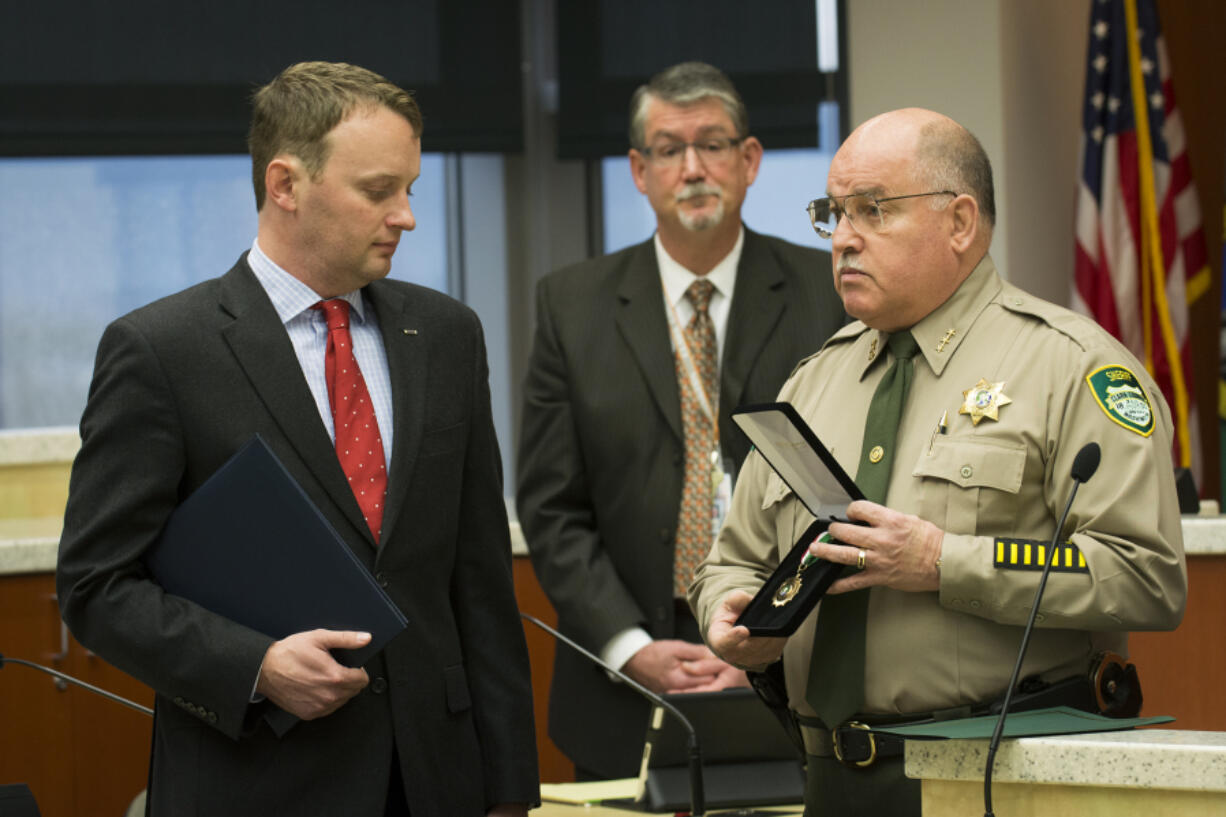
<point>69,679</point>
<point>1084,466</point>
<point>697,799</point>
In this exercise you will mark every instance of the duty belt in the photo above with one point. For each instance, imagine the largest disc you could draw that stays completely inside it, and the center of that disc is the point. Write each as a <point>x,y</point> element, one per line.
<point>852,743</point>
<point>855,744</point>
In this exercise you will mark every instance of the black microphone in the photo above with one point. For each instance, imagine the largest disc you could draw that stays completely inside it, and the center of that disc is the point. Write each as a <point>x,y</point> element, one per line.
<point>696,792</point>
<point>1084,466</point>
<point>96,690</point>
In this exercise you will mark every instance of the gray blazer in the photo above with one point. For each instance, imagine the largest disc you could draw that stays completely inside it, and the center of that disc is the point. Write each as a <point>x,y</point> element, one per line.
<point>178,386</point>
<point>601,454</point>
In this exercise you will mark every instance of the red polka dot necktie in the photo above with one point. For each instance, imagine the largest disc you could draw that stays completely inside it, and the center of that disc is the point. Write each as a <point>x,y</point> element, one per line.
<point>359,446</point>
<point>694,516</point>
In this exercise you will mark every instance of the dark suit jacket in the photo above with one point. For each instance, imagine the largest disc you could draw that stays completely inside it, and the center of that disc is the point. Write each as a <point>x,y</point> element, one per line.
<point>178,386</point>
<point>602,453</point>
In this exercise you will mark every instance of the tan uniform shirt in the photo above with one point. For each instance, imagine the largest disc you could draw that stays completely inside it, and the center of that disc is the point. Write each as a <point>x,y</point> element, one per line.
<point>1007,477</point>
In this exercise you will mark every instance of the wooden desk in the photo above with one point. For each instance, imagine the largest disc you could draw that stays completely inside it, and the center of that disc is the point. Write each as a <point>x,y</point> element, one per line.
<point>567,810</point>
<point>1178,669</point>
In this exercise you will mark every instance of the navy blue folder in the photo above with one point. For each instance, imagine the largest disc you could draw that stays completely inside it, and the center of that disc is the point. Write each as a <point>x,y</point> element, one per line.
<point>250,545</point>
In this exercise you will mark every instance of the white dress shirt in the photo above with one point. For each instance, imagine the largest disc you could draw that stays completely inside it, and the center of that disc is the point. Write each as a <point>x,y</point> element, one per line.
<point>676,279</point>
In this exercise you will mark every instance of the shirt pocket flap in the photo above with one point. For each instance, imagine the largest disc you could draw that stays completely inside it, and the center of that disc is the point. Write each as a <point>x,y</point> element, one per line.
<point>975,463</point>
<point>776,491</point>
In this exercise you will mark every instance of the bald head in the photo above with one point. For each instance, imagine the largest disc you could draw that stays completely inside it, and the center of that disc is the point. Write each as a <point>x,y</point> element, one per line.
<point>942,155</point>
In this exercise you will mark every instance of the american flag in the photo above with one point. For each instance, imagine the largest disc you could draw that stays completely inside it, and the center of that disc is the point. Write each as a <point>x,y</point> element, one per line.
<point>1141,257</point>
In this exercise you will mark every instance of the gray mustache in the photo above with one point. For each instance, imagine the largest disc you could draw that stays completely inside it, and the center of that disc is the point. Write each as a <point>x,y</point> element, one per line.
<point>697,189</point>
<point>847,260</point>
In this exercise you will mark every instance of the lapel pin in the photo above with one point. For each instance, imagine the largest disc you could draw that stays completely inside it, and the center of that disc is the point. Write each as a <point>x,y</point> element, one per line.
<point>410,331</point>
<point>948,337</point>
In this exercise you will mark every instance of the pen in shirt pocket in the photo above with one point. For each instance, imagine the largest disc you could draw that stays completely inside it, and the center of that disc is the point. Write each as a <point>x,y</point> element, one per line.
<point>942,428</point>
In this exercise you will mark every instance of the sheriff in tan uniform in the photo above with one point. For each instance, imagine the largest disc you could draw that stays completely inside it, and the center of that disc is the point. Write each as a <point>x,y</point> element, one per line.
<point>992,486</point>
<point>1006,390</point>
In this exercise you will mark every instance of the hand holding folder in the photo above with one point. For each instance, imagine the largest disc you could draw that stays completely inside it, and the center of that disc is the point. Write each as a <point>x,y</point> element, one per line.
<point>301,676</point>
<point>250,545</point>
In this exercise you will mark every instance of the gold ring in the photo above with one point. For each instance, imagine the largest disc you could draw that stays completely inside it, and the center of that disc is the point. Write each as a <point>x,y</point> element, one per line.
<point>860,560</point>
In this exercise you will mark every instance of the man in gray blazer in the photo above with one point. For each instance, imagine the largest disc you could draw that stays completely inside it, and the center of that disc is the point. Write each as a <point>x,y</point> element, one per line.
<point>603,459</point>
<point>439,722</point>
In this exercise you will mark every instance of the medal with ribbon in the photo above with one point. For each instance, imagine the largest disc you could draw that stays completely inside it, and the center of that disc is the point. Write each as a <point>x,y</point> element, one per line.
<point>791,585</point>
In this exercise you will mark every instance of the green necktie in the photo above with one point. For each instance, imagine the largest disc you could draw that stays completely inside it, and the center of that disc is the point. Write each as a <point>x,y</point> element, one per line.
<point>836,670</point>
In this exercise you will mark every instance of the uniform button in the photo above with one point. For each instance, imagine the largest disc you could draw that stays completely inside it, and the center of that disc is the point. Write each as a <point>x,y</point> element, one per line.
<point>956,602</point>
<point>178,700</point>
<point>974,604</point>
<point>378,686</point>
<point>381,578</point>
<point>212,717</point>
<point>1038,618</point>
<point>876,454</point>
<point>1017,301</point>
<point>967,472</point>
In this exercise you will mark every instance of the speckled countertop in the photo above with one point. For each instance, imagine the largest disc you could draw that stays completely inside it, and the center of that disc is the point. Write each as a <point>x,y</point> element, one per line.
<point>37,445</point>
<point>30,545</point>
<point>1204,534</point>
<point>1139,758</point>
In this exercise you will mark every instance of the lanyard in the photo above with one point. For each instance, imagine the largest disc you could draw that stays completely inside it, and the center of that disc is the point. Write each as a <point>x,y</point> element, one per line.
<point>681,348</point>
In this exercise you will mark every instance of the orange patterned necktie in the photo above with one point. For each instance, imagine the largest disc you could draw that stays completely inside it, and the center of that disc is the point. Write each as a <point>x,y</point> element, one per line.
<point>694,519</point>
<point>359,446</point>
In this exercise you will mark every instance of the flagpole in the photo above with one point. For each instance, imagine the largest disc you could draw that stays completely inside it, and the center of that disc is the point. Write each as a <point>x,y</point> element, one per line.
<point>1149,229</point>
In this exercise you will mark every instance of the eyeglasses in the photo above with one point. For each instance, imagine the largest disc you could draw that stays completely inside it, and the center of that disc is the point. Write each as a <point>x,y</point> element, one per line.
<point>712,151</point>
<point>863,211</point>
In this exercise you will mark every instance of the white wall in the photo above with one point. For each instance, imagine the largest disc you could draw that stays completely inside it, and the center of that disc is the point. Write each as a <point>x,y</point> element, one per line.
<point>1043,50</point>
<point>1012,72</point>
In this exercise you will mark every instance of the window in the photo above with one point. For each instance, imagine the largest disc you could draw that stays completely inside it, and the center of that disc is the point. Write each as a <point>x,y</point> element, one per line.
<point>85,240</point>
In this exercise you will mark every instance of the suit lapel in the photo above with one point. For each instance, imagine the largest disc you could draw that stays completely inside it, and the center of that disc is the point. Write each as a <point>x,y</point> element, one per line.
<point>642,323</point>
<point>263,349</point>
<point>758,301</point>
<point>400,326</point>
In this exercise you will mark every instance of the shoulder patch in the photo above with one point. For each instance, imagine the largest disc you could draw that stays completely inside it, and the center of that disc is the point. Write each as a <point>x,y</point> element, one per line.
<point>1121,397</point>
<point>1031,554</point>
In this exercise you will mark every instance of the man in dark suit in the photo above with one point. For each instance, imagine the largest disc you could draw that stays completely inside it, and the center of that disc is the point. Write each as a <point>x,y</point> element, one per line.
<point>621,470</point>
<point>440,721</point>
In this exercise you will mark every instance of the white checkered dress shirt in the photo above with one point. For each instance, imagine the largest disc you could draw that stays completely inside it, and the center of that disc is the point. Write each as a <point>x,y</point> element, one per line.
<point>308,332</point>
